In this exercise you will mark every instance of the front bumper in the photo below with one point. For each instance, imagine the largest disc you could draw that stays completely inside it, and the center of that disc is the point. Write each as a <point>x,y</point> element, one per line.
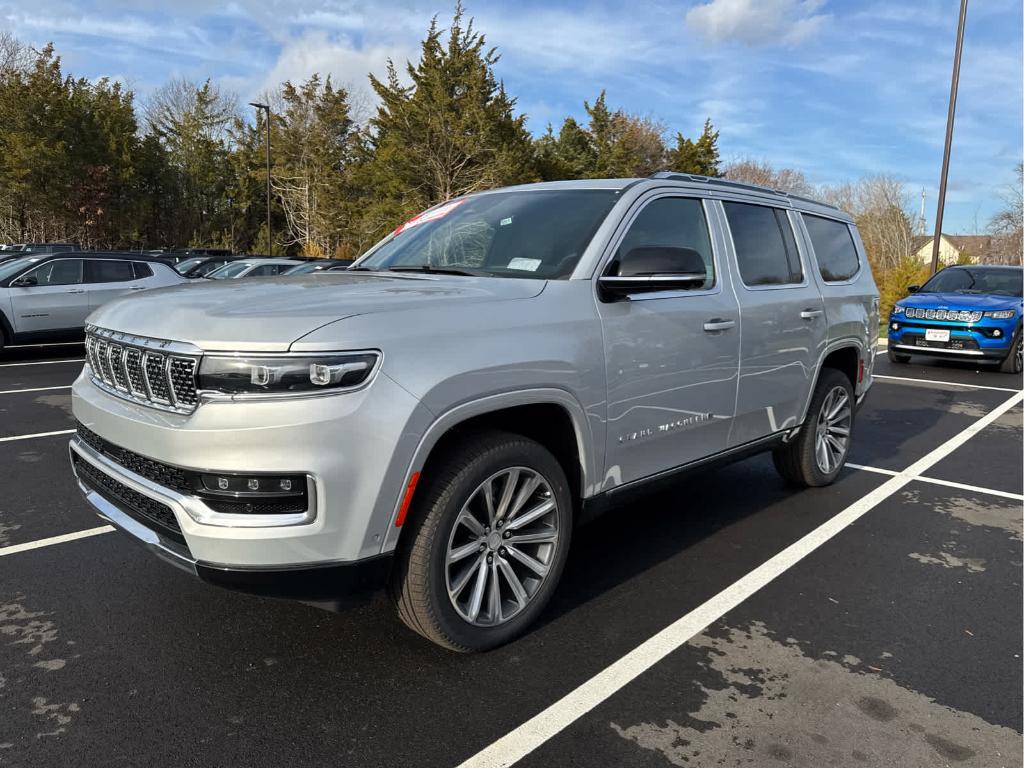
<point>97,476</point>
<point>966,341</point>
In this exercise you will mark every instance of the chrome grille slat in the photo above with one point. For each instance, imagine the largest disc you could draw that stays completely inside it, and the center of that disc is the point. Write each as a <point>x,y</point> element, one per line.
<point>131,368</point>
<point>949,315</point>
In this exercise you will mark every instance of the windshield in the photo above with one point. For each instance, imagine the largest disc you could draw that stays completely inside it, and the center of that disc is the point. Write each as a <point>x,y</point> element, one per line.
<point>303,268</point>
<point>187,264</point>
<point>538,234</point>
<point>14,266</point>
<point>234,269</point>
<point>996,282</point>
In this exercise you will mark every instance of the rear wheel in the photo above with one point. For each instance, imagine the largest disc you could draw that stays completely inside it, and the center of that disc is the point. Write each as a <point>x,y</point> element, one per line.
<point>1014,361</point>
<point>486,544</point>
<point>817,454</point>
<point>897,358</point>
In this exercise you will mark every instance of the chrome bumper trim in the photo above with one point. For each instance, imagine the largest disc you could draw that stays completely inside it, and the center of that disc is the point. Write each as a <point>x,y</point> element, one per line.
<point>937,350</point>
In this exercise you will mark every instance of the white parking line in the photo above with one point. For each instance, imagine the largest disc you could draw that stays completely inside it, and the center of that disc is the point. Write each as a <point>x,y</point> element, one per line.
<point>944,383</point>
<point>937,481</point>
<point>32,389</point>
<point>520,742</point>
<point>39,543</point>
<point>37,434</point>
<point>44,362</point>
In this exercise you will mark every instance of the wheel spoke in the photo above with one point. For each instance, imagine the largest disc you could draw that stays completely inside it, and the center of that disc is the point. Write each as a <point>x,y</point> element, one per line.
<point>822,452</point>
<point>539,537</point>
<point>525,492</point>
<point>467,519</point>
<point>837,448</point>
<point>465,576</point>
<point>506,493</point>
<point>837,406</point>
<point>534,514</point>
<point>533,564</point>
<point>488,491</point>
<point>461,553</point>
<point>494,596</point>
<point>476,599</point>
<point>835,429</point>
<point>513,581</point>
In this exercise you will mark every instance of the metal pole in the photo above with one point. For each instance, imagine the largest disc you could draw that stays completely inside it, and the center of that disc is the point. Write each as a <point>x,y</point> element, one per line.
<point>949,135</point>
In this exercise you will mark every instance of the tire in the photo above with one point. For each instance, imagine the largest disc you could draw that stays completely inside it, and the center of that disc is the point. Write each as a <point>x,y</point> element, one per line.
<point>1013,363</point>
<point>423,583</point>
<point>896,358</point>
<point>799,461</point>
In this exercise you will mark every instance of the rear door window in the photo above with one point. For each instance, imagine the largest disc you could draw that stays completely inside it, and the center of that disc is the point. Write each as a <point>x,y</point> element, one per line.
<point>766,252</point>
<point>108,271</point>
<point>833,248</point>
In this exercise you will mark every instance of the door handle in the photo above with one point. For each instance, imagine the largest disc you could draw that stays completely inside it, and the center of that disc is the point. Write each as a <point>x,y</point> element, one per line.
<point>75,290</point>
<point>718,324</point>
<point>810,314</point>
<point>137,288</point>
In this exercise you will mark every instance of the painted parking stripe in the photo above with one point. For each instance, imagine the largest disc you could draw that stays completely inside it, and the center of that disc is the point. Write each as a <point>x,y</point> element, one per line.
<point>44,362</point>
<point>520,742</point>
<point>944,383</point>
<point>37,434</point>
<point>32,389</point>
<point>65,537</point>
<point>937,481</point>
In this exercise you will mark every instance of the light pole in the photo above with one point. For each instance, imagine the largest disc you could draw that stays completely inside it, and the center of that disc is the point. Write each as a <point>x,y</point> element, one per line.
<point>949,134</point>
<point>270,237</point>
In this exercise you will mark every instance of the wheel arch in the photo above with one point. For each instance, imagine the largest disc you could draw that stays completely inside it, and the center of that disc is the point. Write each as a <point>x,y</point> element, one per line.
<point>844,355</point>
<point>552,417</point>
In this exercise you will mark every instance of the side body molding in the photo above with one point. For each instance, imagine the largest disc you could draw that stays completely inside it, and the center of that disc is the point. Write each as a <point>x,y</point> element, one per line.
<point>490,404</point>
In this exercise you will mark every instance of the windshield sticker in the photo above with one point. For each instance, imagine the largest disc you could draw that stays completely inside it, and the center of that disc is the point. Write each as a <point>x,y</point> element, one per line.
<point>527,265</point>
<point>434,215</point>
<point>505,222</point>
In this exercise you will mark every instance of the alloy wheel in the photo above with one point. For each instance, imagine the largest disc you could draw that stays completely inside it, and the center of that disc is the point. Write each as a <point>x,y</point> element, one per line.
<point>501,546</point>
<point>832,438</point>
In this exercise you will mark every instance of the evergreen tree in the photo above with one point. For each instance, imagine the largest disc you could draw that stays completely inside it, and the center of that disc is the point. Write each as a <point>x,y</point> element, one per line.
<point>700,156</point>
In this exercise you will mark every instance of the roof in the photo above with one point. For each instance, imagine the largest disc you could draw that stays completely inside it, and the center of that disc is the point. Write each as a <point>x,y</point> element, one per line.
<point>977,246</point>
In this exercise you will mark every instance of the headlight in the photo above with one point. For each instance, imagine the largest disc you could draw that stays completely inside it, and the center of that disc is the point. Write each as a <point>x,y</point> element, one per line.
<point>1001,314</point>
<point>897,310</point>
<point>287,374</point>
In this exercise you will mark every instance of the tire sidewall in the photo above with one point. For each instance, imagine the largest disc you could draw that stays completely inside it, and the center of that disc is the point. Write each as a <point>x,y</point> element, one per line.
<point>515,452</point>
<point>1009,363</point>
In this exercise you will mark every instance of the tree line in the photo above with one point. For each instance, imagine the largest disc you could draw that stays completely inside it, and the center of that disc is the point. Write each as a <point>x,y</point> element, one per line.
<point>81,160</point>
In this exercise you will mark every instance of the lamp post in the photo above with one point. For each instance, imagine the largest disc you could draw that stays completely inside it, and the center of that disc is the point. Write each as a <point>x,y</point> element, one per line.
<point>949,134</point>
<point>270,237</point>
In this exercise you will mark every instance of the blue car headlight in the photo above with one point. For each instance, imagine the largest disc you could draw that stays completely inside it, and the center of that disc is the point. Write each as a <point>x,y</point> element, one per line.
<point>1001,314</point>
<point>897,310</point>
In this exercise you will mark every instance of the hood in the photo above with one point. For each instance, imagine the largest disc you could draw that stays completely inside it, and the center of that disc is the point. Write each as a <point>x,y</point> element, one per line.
<point>968,301</point>
<point>268,314</point>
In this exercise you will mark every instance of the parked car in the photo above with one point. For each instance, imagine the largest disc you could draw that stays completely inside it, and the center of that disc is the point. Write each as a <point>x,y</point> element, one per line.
<point>48,296</point>
<point>258,267</point>
<point>319,265</point>
<point>201,266</point>
<point>40,247</point>
<point>438,417</point>
<point>962,312</point>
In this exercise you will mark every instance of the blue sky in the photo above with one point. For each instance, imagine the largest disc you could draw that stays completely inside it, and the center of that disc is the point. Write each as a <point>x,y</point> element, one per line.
<point>836,89</point>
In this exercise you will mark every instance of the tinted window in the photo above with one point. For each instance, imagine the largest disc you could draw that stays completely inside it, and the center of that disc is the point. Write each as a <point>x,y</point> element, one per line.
<point>104,271</point>
<point>765,248</point>
<point>833,247</point>
<point>142,270</point>
<point>675,222</point>
<point>61,272</point>
<point>268,270</point>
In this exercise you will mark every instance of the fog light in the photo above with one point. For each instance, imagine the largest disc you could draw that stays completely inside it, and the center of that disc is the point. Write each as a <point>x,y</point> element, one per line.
<point>286,485</point>
<point>253,484</point>
<point>996,333</point>
<point>894,326</point>
<point>222,483</point>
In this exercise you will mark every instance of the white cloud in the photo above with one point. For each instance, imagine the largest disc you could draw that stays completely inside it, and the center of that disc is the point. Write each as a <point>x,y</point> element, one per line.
<point>757,22</point>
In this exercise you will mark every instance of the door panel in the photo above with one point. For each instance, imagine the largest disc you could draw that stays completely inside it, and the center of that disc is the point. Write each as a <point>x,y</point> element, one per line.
<point>671,383</point>
<point>56,302</point>
<point>107,279</point>
<point>784,324</point>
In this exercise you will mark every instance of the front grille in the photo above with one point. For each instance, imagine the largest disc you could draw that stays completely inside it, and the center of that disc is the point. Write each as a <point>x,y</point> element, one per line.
<point>166,475</point>
<point>147,511</point>
<point>960,316</point>
<point>128,367</point>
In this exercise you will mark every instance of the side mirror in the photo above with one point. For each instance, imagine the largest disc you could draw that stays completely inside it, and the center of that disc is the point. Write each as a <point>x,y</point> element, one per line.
<point>25,282</point>
<point>654,268</point>
<point>913,288</point>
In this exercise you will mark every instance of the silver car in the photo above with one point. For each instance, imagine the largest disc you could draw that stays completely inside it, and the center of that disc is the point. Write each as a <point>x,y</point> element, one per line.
<point>438,417</point>
<point>48,296</point>
<point>261,267</point>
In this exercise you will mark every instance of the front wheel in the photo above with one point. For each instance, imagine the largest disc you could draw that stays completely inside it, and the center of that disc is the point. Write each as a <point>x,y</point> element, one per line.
<point>817,454</point>
<point>1014,361</point>
<point>486,543</point>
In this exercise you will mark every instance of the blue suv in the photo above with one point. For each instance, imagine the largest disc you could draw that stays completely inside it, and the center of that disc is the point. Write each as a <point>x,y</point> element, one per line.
<point>962,312</point>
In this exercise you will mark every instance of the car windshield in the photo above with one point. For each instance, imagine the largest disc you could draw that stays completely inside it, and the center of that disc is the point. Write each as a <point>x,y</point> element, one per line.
<point>234,269</point>
<point>996,282</point>
<point>187,264</point>
<point>539,234</point>
<point>14,266</point>
<point>300,269</point>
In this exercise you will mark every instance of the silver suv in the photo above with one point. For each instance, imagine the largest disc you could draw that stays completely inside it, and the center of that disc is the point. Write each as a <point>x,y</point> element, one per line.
<point>48,296</point>
<point>439,416</point>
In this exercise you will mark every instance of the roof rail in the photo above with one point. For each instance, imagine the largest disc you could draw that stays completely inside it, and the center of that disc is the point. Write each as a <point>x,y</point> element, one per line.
<point>672,176</point>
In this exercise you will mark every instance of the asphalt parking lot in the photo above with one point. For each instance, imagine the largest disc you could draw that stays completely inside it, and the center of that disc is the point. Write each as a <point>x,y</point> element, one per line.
<point>730,621</point>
